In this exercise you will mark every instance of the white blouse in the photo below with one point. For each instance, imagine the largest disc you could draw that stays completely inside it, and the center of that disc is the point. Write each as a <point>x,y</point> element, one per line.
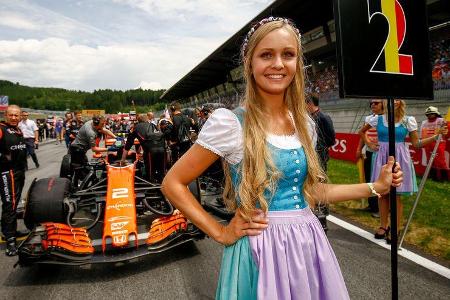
<point>409,121</point>
<point>222,134</point>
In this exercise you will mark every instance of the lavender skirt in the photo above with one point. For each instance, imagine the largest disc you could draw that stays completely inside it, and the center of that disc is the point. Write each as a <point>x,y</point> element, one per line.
<point>291,259</point>
<point>409,185</point>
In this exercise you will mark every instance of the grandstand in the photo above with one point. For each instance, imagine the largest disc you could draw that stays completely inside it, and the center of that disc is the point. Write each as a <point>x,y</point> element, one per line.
<point>217,79</point>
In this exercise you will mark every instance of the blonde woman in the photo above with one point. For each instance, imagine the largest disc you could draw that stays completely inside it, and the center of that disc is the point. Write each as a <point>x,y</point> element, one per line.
<point>404,126</point>
<point>275,247</point>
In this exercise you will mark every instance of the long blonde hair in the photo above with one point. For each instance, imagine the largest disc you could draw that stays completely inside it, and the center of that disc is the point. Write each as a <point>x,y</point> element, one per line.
<point>399,113</point>
<point>258,171</point>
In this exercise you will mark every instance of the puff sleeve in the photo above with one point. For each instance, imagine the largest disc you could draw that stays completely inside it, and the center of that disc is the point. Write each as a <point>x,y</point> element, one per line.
<point>411,124</point>
<point>372,120</point>
<point>222,134</point>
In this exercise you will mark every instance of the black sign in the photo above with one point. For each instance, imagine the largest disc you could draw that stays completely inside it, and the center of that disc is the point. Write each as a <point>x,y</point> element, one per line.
<point>383,49</point>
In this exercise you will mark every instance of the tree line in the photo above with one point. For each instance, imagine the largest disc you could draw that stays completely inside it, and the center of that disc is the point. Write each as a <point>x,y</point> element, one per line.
<point>59,99</point>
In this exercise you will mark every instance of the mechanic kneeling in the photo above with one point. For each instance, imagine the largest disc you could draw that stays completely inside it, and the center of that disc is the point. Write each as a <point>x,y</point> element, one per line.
<point>13,161</point>
<point>85,140</point>
<point>153,146</point>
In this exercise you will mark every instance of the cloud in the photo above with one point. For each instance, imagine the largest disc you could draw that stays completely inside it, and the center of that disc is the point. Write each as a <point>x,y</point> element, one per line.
<point>227,15</point>
<point>17,21</point>
<point>32,20</point>
<point>122,44</point>
<point>149,85</point>
<point>56,62</point>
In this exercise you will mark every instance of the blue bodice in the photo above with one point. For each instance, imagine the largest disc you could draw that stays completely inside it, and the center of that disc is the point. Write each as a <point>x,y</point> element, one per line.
<point>383,133</point>
<point>288,194</point>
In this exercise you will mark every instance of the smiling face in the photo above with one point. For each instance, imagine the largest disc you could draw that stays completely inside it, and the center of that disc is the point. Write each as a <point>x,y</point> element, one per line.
<point>274,62</point>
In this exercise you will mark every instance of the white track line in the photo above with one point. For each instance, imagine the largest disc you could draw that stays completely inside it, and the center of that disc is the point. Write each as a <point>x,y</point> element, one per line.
<point>426,263</point>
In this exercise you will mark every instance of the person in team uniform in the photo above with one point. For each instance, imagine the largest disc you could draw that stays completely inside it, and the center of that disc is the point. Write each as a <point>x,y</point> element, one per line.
<point>86,140</point>
<point>428,128</point>
<point>152,142</point>
<point>75,126</point>
<point>180,136</point>
<point>13,162</point>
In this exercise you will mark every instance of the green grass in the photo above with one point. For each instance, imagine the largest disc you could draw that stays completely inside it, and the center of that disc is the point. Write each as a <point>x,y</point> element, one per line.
<point>430,227</point>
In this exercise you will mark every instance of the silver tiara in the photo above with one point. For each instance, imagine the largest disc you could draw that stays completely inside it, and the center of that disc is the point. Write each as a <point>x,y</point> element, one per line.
<point>259,24</point>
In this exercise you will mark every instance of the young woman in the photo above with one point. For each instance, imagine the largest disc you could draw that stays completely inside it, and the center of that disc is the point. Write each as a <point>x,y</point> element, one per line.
<point>275,247</point>
<point>404,126</point>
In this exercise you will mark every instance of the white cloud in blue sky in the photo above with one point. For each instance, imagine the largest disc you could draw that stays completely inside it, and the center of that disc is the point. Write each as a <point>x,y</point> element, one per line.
<point>117,44</point>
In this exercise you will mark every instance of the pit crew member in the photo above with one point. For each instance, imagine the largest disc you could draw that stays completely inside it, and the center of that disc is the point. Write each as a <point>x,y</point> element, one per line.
<point>153,145</point>
<point>13,161</point>
<point>85,141</point>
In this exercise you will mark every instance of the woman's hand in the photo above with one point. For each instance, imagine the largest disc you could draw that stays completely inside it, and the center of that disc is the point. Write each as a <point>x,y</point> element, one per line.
<point>373,146</point>
<point>239,227</point>
<point>442,130</point>
<point>388,178</point>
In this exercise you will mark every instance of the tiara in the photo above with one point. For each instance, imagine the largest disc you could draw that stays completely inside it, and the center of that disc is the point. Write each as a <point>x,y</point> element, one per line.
<point>259,24</point>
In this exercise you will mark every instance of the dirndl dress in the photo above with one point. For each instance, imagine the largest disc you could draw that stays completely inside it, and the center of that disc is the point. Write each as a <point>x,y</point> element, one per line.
<point>402,155</point>
<point>292,258</point>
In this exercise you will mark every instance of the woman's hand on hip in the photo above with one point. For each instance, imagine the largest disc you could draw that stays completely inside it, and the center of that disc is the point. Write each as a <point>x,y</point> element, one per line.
<point>373,146</point>
<point>239,227</point>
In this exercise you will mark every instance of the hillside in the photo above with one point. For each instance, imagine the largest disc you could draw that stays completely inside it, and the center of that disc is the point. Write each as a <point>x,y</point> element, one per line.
<point>62,99</point>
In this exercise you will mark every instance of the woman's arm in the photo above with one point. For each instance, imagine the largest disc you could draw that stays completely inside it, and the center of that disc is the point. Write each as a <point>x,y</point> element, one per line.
<point>359,148</point>
<point>362,133</point>
<point>174,187</point>
<point>419,143</point>
<point>343,192</point>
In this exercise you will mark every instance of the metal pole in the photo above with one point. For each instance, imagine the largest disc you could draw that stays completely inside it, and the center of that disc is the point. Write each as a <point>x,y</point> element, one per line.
<point>419,192</point>
<point>393,203</point>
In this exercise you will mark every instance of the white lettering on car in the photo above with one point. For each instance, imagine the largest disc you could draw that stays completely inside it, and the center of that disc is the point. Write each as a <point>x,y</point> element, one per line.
<point>119,239</point>
<point>118,225</point>
<point>119,206</point>
<point>119,193</point>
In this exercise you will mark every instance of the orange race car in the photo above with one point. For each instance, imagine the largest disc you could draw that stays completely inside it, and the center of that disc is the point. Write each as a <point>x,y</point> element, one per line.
<point>112,215</point>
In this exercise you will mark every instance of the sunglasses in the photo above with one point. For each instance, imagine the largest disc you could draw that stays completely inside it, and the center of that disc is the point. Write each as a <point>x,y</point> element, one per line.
<point>372,103</point>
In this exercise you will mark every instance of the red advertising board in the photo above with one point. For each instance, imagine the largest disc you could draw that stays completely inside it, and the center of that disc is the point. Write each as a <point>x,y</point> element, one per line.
<point>345,146</point>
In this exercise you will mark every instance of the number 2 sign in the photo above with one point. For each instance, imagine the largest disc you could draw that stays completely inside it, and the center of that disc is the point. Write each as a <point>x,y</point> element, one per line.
<point>383,49</point>
<point>394,62</point>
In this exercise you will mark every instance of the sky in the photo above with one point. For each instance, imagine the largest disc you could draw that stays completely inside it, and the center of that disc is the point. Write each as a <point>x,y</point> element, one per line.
<point>114,44</point>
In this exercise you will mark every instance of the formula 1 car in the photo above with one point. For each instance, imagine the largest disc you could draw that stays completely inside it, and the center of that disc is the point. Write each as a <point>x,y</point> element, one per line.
<point>112,215</point>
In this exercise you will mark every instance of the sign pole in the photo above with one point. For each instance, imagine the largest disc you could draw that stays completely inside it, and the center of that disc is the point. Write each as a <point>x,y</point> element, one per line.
<point>393,203</point>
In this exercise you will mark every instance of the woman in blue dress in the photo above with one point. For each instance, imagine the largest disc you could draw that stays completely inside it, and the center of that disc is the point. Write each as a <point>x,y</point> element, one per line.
<point>404,126</point>
<point>275,247</point>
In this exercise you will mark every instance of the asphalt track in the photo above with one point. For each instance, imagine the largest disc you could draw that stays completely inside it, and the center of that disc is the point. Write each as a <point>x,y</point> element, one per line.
<point>191,271</point>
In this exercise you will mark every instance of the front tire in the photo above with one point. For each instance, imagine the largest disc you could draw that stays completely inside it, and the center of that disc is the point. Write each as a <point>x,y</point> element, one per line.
<point>45,202</point>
